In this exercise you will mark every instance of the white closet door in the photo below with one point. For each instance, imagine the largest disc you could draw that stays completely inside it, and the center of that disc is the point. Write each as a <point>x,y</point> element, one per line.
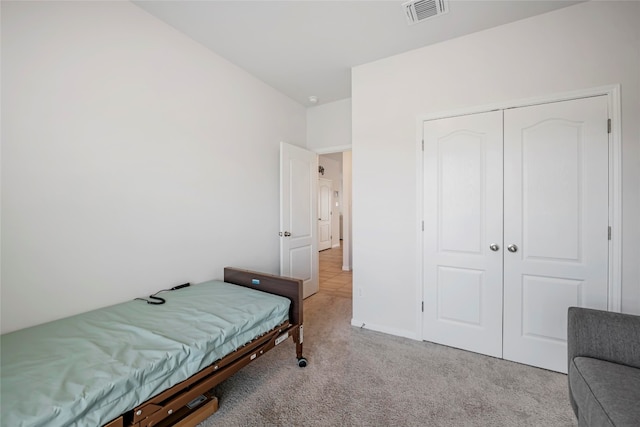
<point>462,219</point>
<point>556,218</point>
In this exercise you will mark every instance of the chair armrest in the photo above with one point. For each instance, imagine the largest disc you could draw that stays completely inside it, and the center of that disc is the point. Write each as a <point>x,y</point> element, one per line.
<point>614,337</point>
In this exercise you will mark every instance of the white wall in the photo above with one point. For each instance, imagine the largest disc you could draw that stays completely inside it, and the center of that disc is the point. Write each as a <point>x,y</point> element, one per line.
<point>329,131</point>
<point>133,159</point>
<point>329,126</point>
<point>583,46</point>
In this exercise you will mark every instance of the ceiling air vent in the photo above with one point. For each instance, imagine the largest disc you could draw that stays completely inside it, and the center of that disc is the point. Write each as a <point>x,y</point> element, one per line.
<point>419,10</point>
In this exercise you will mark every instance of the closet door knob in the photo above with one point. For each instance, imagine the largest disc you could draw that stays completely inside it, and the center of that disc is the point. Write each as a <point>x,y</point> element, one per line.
<point>512,248</point>
<point>494,247</point>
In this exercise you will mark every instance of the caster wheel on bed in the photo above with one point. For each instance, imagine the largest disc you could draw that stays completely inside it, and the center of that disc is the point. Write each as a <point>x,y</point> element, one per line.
<point>302,362</point>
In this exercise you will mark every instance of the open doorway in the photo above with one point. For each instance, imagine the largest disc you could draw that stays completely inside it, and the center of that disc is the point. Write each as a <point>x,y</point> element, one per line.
<point>335,259</point>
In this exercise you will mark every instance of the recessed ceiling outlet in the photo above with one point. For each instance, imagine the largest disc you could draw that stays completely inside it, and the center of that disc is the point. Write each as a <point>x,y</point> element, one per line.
<point>420,10</point>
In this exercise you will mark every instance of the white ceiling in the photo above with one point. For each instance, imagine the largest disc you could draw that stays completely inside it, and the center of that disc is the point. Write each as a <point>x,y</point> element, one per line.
<point>305,48</point>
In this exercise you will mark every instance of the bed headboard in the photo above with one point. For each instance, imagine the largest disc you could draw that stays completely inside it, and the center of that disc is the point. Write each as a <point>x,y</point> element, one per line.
<point>287,287</point>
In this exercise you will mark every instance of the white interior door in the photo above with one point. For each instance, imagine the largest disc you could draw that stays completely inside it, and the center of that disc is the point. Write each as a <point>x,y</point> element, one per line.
<point>324,213</point>
<point>556,218</point>
<point>462,221</point>
<point>298,213</point>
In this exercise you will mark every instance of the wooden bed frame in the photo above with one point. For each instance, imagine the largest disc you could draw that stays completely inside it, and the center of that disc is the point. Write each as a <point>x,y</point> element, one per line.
<point>191,401</point>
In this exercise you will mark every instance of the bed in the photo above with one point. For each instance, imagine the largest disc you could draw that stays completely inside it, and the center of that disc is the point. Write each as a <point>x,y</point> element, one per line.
<point>144,364</point>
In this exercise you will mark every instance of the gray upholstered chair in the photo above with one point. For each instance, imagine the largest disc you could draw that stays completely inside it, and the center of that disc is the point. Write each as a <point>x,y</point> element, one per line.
<point>604,367</point>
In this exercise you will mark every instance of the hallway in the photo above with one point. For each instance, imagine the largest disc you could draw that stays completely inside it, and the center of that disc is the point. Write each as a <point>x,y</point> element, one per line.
<point>334,281</point>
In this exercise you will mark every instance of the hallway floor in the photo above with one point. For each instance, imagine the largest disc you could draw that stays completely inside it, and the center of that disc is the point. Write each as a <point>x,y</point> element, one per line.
<point>334,281</point>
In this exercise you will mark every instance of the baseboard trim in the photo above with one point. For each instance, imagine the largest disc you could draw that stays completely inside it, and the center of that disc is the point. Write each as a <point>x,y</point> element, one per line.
<point>386,330</point>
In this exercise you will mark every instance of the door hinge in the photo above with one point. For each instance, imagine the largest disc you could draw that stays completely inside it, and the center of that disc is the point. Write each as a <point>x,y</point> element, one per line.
<point>609,233</point>
<point>423,145</point>
<point>423,306</point>
<point>608,125</point>
<point>422,225</point>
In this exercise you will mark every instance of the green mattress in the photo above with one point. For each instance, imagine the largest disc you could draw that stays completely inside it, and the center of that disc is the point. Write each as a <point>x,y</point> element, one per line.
<point>88,369</point>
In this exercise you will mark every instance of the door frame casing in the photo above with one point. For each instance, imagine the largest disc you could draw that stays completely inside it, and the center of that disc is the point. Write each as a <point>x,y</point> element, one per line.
<point>612,92</point>
<point>347,244</point>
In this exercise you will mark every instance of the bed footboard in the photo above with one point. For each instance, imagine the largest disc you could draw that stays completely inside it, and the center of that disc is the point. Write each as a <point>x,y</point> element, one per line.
<point>287,287</point>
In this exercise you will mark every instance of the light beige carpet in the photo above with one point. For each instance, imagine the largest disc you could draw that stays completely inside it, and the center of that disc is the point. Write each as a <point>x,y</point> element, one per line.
<point>357,377</point>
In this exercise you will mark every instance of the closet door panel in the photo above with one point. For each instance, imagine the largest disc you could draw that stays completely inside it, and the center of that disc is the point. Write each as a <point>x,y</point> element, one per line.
<point>556,222</point>
<point>462,218</point>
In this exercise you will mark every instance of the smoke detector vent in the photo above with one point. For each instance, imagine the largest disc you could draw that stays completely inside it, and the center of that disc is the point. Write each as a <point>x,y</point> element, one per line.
<point>420,10</point>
